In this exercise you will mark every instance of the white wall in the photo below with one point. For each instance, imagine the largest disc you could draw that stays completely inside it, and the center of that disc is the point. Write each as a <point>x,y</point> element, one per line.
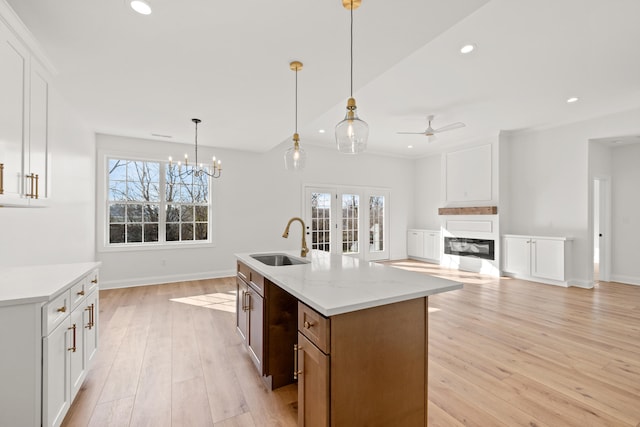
<point>550,183</point>
<point>62,232</point>
<point>252,203</point>
<point>427,193</point>
<point>625,205</point>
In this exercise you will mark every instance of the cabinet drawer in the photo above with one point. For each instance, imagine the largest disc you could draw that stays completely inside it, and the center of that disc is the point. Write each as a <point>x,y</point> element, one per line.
<point>314,326</point>
<point>77,293</point>
<point>55,311</point>
<point>256,281</point>
<point>243,271</point>
<point>91,282</point>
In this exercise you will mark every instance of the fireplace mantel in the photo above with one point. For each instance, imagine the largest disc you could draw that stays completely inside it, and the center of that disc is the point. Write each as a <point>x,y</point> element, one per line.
<point>471,210</point>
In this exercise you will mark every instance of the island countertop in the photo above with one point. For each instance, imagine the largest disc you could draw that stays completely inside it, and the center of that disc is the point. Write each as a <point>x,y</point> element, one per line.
<point>336,284</point>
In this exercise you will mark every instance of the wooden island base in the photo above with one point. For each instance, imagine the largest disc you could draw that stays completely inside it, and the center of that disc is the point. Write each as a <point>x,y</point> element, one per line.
<point>365,367</point>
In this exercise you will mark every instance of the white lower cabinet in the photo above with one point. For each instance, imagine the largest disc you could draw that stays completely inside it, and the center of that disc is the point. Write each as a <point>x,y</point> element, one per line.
<point>542,259</point>
<point>53,344</point>
<point>423,244</point>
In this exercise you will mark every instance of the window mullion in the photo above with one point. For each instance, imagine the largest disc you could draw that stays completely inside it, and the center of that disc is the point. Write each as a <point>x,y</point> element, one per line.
<point>162,214</point>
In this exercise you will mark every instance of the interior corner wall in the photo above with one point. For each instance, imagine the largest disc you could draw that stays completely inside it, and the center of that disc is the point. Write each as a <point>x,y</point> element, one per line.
<point>549,183</point>
<point>427,193</point>
<point>253,200</point>
<point>64,231</point>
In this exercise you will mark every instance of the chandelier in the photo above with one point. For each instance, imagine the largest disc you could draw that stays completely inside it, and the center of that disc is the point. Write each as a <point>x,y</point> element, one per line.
<point>198,169</point>
<point>295,157</point>
<point>351,133</point>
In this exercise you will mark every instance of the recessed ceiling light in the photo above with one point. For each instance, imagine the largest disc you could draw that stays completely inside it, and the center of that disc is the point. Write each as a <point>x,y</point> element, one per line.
<point>572,100</point>
<point>141,6</point>
<point>320,130</point>
<point>467,48</point>
<point>409,146</point>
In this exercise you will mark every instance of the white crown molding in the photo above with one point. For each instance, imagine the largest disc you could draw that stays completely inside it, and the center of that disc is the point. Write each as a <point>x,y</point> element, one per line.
<point>15,24</point>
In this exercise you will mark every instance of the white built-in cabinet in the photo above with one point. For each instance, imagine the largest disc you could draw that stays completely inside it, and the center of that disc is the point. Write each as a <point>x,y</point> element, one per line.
<point>49,323</point>
<point>24,124</point>
<point>537,258</point>
<point>424,244</point>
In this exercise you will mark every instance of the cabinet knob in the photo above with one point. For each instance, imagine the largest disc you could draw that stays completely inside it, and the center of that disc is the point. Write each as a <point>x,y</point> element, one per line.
<point>62,309</point>
<point>80,293</point>
<point>95,280</point>
<point>307,325</point>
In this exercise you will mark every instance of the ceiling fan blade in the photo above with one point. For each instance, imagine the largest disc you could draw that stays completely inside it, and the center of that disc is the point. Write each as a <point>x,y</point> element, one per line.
<point>411,133</point>
<point>452,126</point>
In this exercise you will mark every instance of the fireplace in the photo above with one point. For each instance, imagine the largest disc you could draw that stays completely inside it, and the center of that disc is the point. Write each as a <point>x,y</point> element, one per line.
<point>477,248</point>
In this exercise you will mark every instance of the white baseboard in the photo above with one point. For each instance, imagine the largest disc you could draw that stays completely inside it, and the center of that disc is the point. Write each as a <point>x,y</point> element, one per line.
<point>159,280</point>
<point>537,279</point>
<point>582,284</point>
<point>628,280</point>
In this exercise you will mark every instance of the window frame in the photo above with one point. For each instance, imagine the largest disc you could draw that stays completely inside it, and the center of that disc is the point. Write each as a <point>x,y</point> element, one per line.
<point>102,207</point>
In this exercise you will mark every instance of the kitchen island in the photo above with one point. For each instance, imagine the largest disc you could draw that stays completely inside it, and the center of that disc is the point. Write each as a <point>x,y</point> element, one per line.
<point>353,334</point>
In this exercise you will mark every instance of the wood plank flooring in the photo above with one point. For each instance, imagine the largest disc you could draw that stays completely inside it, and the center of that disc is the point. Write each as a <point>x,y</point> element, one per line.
<point>502,352</point>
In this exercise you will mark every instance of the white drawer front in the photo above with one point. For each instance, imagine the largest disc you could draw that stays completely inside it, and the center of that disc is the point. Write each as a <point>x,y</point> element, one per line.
<point>77,293</point>
<point>54,312</point>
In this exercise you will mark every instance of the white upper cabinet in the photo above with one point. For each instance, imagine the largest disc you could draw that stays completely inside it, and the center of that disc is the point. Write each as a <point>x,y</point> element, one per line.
<point>24,124</point>
<point>13,84</point>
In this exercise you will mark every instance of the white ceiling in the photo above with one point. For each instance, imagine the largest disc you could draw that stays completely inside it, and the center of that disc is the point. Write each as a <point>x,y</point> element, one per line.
<point>227,63</point>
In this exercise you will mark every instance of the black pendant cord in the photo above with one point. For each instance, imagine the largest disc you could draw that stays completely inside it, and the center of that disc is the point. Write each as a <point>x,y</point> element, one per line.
<point>196,160</point>
<point>351,48</point>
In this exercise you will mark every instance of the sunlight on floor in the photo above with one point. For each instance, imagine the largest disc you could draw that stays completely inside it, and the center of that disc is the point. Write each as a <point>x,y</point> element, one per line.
<point>439,271</point>
<point>222,301</point>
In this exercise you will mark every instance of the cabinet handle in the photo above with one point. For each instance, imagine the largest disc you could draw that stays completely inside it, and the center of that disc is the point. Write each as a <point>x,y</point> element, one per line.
<point>95,280</point>
<point>33,193</point>
<point>62,309</point>
<point>296,372</point>
<point>80,293</point>
<point>73,349</point>
<point>91,323</point>
<point>1,178</point>
<point>307,325</point>
<point>249,301</point>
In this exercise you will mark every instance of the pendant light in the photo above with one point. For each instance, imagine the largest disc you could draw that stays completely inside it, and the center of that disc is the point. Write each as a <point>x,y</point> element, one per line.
<point>351,133</point>
<point>295,157</point>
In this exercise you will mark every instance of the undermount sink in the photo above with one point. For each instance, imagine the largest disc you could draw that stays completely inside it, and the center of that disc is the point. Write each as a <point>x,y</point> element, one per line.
<point>278,259</point>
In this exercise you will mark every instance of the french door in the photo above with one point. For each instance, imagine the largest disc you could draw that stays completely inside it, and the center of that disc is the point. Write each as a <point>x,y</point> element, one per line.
<point>348,221</point>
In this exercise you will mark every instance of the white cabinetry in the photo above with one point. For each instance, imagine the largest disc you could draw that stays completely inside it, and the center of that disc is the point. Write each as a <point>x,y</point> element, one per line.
<point>423,244</point>
<point>50,323</point>
<point>24,126</point>
<point>541,259</point>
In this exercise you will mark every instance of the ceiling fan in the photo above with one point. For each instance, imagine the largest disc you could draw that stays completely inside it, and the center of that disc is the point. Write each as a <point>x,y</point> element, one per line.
<point>430,132</point>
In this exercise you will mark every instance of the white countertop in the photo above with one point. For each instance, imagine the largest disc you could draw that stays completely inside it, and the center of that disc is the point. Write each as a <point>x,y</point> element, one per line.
<point>336,284</point>
<point>39,283</point>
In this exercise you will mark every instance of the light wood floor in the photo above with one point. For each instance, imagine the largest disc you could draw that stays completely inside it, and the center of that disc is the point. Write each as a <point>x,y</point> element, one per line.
<point>502,353</point>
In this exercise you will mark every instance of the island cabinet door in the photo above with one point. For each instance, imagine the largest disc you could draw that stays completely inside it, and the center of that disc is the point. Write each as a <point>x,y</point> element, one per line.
<point>313,384</point>
<point>256,333</point>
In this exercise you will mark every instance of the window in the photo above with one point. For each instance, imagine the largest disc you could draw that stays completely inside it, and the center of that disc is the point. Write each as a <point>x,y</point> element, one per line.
<point>151,203</point>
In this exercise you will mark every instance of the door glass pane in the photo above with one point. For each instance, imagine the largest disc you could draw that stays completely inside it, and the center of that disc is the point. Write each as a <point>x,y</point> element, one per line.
<point>376,223</point>
<point>321,221</point>
<point>350,208</point>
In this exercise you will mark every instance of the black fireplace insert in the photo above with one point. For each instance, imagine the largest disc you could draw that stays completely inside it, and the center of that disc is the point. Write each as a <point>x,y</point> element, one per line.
<point>478,248</point>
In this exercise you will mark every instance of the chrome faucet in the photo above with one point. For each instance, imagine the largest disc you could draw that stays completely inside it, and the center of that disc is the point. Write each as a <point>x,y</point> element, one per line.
<point>305,249</point>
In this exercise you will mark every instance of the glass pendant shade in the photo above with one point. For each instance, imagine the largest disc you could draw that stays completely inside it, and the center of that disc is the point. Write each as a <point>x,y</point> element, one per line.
<point>352,133</point>
<point>295,157</point>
